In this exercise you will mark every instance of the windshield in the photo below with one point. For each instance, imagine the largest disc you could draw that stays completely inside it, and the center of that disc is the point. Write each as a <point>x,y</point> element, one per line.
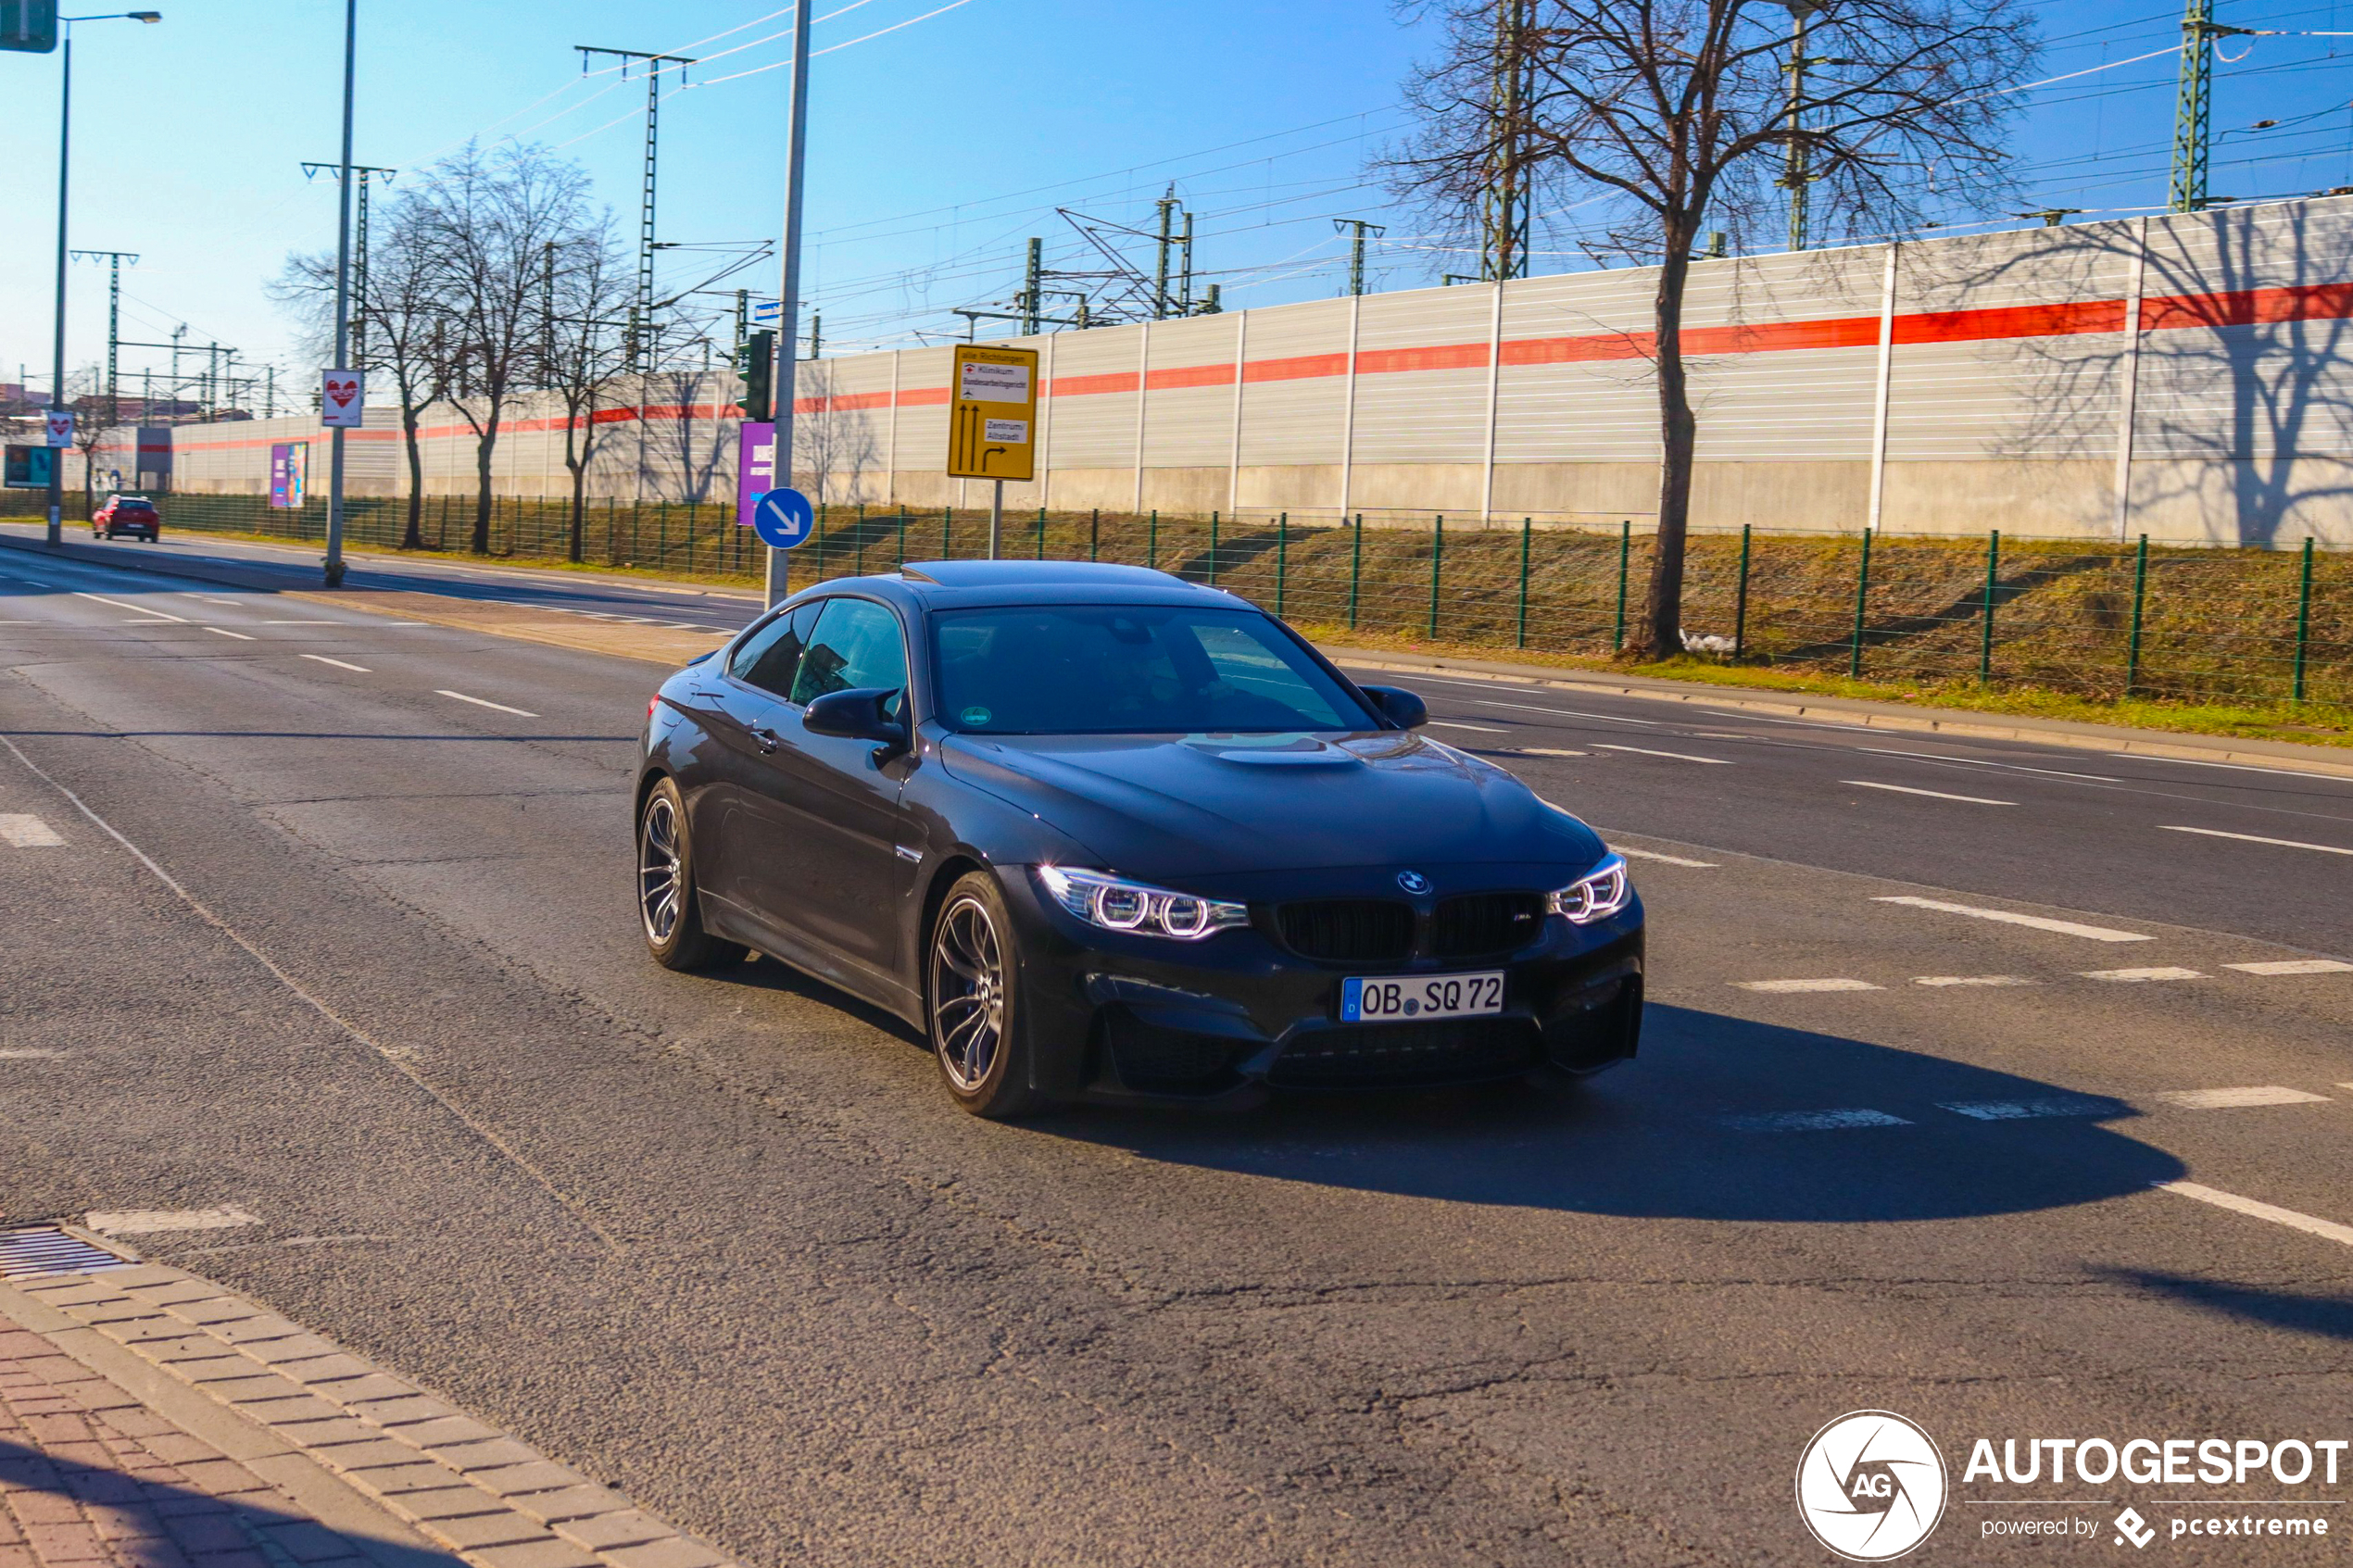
<point>1062,670</point>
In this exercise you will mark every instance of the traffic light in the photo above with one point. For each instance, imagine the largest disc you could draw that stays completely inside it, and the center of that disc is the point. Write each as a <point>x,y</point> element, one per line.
<point>757,365</point>
<point>29,25</point>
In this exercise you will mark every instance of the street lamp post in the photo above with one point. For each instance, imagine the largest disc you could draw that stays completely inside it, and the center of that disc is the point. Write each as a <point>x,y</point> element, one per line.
<point>334,564</point>
<point>57,360</point>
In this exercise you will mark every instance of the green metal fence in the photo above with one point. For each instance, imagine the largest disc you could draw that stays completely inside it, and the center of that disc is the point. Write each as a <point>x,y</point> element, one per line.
<point>2100,620</point>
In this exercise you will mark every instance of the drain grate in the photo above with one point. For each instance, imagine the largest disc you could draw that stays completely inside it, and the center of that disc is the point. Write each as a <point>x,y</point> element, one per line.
<point>48,1250</point>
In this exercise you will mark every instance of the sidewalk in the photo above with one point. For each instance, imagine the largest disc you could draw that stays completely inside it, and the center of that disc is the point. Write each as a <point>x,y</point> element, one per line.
<point>150,1419</point>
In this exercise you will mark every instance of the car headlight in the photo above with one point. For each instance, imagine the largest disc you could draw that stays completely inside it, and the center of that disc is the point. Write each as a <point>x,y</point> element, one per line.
<point>1119,904</point>
<point>1596,896</point>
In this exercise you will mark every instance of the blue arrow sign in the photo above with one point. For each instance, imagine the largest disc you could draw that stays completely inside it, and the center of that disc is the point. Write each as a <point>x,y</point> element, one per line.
<point>784,518</point>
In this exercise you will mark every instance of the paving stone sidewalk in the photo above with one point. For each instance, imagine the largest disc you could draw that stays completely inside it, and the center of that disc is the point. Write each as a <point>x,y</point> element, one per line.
<point>152,1419</point>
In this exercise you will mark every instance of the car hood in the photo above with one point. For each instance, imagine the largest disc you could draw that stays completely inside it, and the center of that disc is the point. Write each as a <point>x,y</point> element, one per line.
<point>1163,807</point>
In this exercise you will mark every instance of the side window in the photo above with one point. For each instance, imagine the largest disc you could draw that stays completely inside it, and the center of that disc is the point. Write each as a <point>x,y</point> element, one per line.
<point>858,645</point>
<point>772,654</point>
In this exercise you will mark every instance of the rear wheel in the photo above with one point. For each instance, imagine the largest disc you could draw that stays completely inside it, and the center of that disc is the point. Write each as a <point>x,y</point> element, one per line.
<point>666,907</point>
<point>973,1000</point>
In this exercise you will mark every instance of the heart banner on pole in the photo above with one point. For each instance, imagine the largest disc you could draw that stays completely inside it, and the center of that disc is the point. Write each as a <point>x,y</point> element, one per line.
<point>341,399</point>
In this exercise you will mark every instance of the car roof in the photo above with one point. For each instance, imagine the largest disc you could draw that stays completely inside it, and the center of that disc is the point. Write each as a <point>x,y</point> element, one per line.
<point>961,584</point>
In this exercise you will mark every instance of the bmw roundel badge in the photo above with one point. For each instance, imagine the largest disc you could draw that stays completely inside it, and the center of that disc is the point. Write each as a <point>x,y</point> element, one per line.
<point>1412,882</point>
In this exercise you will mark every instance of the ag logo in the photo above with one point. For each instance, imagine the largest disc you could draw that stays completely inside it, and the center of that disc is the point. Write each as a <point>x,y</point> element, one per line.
<point>1870,1486</point>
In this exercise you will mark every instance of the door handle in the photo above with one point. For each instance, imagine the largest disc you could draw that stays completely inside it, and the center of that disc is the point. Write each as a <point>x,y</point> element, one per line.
<point>769,739</point>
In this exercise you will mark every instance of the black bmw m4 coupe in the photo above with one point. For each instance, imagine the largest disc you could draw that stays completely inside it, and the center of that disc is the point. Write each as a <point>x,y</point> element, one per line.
<point>1102,834</point>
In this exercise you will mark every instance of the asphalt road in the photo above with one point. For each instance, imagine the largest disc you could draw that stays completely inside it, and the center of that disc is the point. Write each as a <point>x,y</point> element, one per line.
<point>723,1242</point>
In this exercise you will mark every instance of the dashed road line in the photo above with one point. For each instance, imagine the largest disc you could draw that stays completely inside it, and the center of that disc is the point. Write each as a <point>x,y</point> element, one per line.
<point>2231,1099</point>
<point>1434,723</point>
<point>29,1053</point>
<point>322,658</point>
<point>1972,980</point>
<point>135,609</point>
<point>2294,966</point>
<point>2038,922</point>
<point>1547,751</point>
<point>2257,838</point>
<point>1779,987</point>
<point>1811,1121</point>
<point>153,1222</point>
<point>2159,971</point>
<point>1665,859</point>
<point>224,631</point>
<point>1931,793</point>
<point>1678,755</point>
<point>2026,1109</point>
<point>2328,1229</point>
<point>1983,762</point>
<point>21,830</point>
<point>485,702</point>
<point>1567,712</point>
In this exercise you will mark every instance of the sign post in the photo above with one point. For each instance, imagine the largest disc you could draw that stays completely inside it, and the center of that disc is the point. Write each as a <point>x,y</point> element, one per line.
<point>755,467</point>
<point>992,423</point>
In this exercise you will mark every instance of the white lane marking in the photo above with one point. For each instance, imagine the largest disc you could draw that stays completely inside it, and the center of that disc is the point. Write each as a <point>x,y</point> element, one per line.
<point>2162,972</point>
<point>1678,755</point>
<point>2021,1110</point>
<point>1665,859</point>
<point>2327,1230</point>
<point>1524,751</point>
<point>1785,986</point>
<point>2293,966</point>
<point>1434,723</point>
<point>135,609</point>
<point>2038,923</point>
<point>1971,979</point>
<point>2243,768</point>
<point>322,658</point>
<point>485,702</point>
<point>1981,762</point>
<point>2256,838</point>
<point>29,1053</point>
<point>1811,1121</point>
<point>223,632</point>
<point>1931,793</point>
<point>150,1221</point>
<point>2231,1099</point>
<point>314,620</point>
<point>1570,713</point>
<point>21,830</point>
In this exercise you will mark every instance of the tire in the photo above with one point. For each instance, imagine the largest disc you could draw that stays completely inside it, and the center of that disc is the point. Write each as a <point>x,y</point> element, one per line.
<point>666,906</point>
<point>972,1002</point>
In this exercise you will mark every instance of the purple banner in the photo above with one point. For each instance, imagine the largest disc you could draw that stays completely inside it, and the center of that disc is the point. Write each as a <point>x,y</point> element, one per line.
<point>755,468</point>
<point>289,465</point>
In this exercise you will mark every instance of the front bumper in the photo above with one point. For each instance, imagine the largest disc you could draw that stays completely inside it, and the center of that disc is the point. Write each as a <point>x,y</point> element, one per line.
<point>1115,1018</point>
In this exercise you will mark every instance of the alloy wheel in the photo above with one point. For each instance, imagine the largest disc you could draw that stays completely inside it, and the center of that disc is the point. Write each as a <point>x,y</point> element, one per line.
<point>657,869</point>
<point>967,992</point>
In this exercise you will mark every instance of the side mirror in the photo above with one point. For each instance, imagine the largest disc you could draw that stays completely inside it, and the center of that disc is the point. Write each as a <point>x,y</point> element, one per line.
<point>859,714</point>
<point>1400,707</point>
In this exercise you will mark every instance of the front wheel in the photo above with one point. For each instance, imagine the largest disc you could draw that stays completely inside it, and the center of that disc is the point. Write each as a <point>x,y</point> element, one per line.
<point>666,907</point>
<point>973,1000</point>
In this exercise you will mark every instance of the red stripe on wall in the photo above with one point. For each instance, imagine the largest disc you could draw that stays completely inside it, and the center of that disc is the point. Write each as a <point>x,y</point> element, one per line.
<point>1191,375</point>
<point>1083,386</point>
<point>1443,357</point>
<point>1302,367</point>
<point>2012,320</point>
<point>2314,302</point>
<point>1576,350</point>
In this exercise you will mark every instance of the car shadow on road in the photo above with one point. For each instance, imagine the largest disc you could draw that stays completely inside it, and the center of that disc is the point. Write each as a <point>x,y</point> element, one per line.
<point>2330,1317</point>
<point>1678,1133</point>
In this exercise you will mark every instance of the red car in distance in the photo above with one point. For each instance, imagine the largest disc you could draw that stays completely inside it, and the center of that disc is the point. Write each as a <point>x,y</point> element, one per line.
<point>127,514</point>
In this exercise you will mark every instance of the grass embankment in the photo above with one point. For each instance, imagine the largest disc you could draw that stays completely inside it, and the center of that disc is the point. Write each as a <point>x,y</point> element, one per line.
<point>2216,650</point>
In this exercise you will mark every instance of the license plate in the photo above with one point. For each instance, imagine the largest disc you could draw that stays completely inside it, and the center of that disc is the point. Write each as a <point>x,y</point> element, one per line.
<point>1422,996</point>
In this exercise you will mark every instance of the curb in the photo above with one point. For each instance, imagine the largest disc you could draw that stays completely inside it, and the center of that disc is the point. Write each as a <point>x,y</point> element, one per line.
<point>348,1439</point>
<point>2269,756</point>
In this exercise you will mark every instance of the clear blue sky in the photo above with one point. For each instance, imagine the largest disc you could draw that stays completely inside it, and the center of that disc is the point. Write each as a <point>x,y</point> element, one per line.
<point>935,148</point>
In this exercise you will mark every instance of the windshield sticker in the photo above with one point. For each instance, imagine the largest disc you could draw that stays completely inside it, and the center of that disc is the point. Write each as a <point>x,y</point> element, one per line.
<point>976,716</point>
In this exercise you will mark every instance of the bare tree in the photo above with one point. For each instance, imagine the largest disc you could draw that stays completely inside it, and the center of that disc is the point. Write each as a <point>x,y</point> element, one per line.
<point>1682,114</point>
<point>407,324</point>
<point>491,219</point>
<point>584,291</point>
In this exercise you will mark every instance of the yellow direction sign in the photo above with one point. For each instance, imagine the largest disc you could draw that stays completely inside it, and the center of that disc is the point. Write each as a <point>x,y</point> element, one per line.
<point>992,413</point>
